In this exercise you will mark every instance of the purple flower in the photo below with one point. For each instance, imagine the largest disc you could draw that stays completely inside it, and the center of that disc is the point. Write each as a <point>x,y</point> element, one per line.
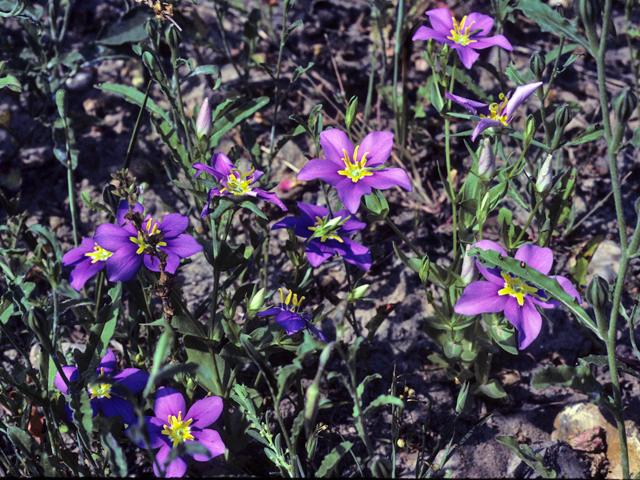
<point>106,397</point>
<point>355,171</point>
<point>169,428</point>
<point>517,299</point>
<point>88,259</point>
<point>288,316</point>
<point>233,181</point>
<point>465,36</point>
<point>330,235</point>
<point>128,245</point>
<point>496,114</point>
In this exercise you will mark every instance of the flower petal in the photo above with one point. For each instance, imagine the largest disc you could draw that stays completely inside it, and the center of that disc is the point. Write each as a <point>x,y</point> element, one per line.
<point>183,246</point>
<point>477,108</point>
<point>124,264</point>
<point>377,146</point>
<point>212,441</point>
<point>351,192</point>
<point>387,178</point>
<point>491,274</point>
<point>270,197</point>
<point>84,271</point>
<point>325,170</point>
<point>175,469</point>
<point>350,226</point>
<point>173,225</point>
<point>333,143</point>
<point>480,297</point>
<point>291,322</point>
<point>168,402</point>
<point>478,21</point>
<point>317,252</point>
<point>519,96</point>
<point>536,257</point>
<point>72,375</point>
<point>353,252</point>
<point>201,167</point>
<point>222,166</point>
<point>107,363</point>
<point>526,319</point>
<point>123,208</point>
<point>426,33</point>
<point>467,54</point>
<point>153,263</point>
<point>112,237</point>
<point>441,20</point>
<point>78,254</point>
<point>118,406</point>
<point>205,411</point>
<point>567,286</point>
<point>133,378</point>
<point>483,125</point>
<point>154,428</point>
<point>499,40</point>
<point>310,211</point>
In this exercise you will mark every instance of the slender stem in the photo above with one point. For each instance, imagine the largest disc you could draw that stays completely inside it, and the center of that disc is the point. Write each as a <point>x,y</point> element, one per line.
<point>396,65</point>
<point>99,284</point>
<point>72,203</point>
<point>402,236</point>
<point>178,90</point>
<point>447,147</point>
<point>276,93</point>
<point>136,129</point>
<point>539,200</point>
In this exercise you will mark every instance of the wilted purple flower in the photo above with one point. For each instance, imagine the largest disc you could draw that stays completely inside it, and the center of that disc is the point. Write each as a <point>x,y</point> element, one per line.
<point>465,36</point>
<point>355,171</point>
<point>106,397</point>
<point>233,181</point>
<point>496,114</point>
<point>289,317</point>
<point>330,235</point>
<point>88,259</point>
<point>168,429</point>
<point>128,245</point>
<point>517,299</point>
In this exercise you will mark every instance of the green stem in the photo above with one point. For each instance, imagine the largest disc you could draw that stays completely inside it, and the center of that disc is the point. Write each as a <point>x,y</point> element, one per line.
<point>447,147</point>
<point>402,236</point>
<point>99,284</point>
<point>178,90</point>
<point>400,124</point>
<point>72,202</point>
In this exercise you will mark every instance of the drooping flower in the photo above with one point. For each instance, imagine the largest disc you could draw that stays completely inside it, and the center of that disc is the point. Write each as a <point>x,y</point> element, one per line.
<point>233,181</point>
<point>511,295</point>
<point>173,425</point>
<point>465,36</point>
<point>289,317</point>
<point>330,235</point>
<point>354,171</point>
<point>130,247</point>
<point>496,114</point>
<point>107,397</point>
<point>87,260</point>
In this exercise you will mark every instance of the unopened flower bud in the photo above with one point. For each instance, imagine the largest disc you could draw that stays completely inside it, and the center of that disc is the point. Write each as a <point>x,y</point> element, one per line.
<point>486,161</point>
<point>173,37</point>
<point>624,105</point>
<point>357,293</point>
<point>563,116</point>
<point>597,292</point>
<point>545,176</point>
<point>529,130</point>
<point>588,11</point>
<point>257,300</point>
<point>537,65</point>
<point>401,443</point>
<point>469,271</point>
<point>203,123</point>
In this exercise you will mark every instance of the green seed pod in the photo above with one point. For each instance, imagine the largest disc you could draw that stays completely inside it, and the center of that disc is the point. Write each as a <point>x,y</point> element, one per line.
<point>624,105</point>
<point>536,64</point>
<point>597,293</point>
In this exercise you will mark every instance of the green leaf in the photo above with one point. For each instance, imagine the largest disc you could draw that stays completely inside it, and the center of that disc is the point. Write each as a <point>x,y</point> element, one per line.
<point>579,378</point>
<point>603,361</point>
<point>24,442</point>
<point>130,28</point>
<point>134,96</point>
<point>262,363</point>
<point>234,117</point>
<point>204,70</point>
<point>492,389</point>
<point>286,375</point>
<point>527,455</point>
<point>514,75</point>
<point>115,455</point>
<point>368,379</point>
<point>11,82</point>
<point>382,400</point>
<point>212,368</point>
<point>551,21</point>
<point>160,355</point>
<point>579,270</point>
<point>101,332</point>
<point>331,461</point>
<point>591,133</point>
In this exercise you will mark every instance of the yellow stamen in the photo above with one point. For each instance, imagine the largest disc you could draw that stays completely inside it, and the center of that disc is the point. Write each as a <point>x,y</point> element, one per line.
<point>513,286</point>
<point>238,182</point>
<point>320,223</point>
<point>178,430</point>
<point>356,170</point>
<point>460,32</point>
<point>152,229</point>
<point>99,254</point>
<point>100,390</point>
<point>498,111</point>
<point>291,303</point>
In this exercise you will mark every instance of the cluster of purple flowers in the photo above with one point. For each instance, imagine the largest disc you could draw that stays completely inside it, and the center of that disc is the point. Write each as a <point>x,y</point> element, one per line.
<point>123,249</point>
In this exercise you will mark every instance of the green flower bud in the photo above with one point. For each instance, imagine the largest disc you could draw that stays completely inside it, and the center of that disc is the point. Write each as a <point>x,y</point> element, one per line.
<point>357,293</point>
<point>173,37</point>
<point>537,65</point>
<point>597,293</point>
<point>529,130</point>
<point>624,105</point>
<point>255,304</point>
<point>352,109</point>
<point>486,161</point>
<point>563,116</point>
<point>545,176</point>
<point>588,11</point>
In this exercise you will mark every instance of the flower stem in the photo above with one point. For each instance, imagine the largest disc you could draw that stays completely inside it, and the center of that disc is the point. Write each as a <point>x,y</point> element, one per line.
<point>447,147</point>
<point>402,236</point>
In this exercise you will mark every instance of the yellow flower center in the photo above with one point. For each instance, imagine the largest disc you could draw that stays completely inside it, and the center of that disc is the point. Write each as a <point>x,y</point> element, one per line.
<point>460,32</point>
<point>100,390</point>
<point>320,223</point>
<point>152,228</point>
<point>238,182</point>
<point>99,254</point>
<point>292,303</point>
<point>178,430</point>
<point>498,111</point>
<point>513,286</point>
<point>356,170</point>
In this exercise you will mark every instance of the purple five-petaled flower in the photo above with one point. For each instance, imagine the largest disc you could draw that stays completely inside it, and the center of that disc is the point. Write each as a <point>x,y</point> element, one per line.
<point>87,259</point>
<point>496,114</point>
<point>289,317</point>
<point>465,36</point>
<point>354,171</point>
<point>233,181</point>
<point>509,294</point>
<point>174,424</point>
<point>330,238</point>
<point>129,246</point>
<point>106,397</point>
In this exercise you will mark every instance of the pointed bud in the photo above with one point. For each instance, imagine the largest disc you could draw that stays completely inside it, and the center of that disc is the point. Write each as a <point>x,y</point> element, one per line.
<point>173,37</point>
<point>529,130</point>
<point>486,161</point>
<point>597,293</point>
<point>469,271</point>
<point>563,116</point>
<point>255,304</point>
<point>588,11</point>
<point>357,293</point>
<point>203,123</point>
<point>624,105</point>
<point>537,65</point>
<point>545,176</point>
